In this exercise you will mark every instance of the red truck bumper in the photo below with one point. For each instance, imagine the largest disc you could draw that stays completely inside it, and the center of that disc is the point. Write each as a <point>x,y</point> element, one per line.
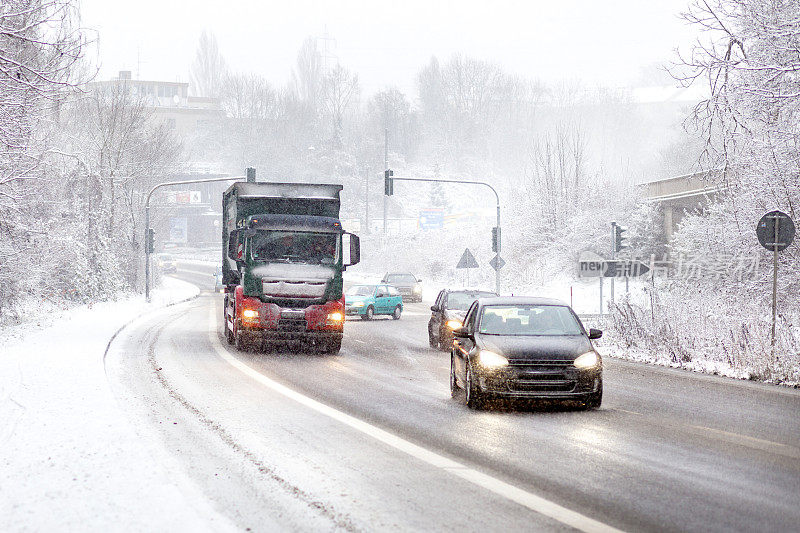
<point>268,322</point>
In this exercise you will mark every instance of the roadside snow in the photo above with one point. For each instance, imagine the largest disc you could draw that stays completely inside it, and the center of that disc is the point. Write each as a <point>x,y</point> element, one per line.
<point>69,458</point>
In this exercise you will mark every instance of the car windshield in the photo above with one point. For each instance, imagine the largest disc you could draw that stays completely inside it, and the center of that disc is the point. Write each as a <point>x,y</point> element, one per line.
<point>528,320</point>
<point>361,290</point>
<point>401,278</point>
<point>460,301</point>
<point>295,247</point>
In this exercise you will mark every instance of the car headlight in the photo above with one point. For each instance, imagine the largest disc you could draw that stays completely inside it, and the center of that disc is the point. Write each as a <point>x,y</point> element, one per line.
<point>357,304</point>
<point>490,359</point>
<point>453,324</point>
<point>250,313</point>
<point>336,316</point>
<point>587,360</point>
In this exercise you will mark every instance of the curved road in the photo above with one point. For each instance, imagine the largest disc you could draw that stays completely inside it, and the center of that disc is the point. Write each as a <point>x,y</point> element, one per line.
<point>370,439</point>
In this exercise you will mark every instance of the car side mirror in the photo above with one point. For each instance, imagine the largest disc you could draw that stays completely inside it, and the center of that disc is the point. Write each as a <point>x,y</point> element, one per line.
<point>595,333</point>
<point>434,308</point>
<point>461,333</point>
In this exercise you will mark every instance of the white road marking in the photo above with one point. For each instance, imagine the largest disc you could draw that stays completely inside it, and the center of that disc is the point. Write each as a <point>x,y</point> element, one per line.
<point>737,438</point>
<point>501,488</point>
<point>753,442</point>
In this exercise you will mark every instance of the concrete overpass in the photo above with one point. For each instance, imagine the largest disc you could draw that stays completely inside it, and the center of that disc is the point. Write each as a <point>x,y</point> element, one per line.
<point>682,194</point>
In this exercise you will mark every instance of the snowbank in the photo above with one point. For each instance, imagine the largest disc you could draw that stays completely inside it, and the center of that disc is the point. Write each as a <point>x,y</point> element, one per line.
<point>69,459</point>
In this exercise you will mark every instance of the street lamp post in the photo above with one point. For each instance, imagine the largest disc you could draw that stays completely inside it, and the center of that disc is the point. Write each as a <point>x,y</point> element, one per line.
<point>147,222</point>
<point>497,198</point>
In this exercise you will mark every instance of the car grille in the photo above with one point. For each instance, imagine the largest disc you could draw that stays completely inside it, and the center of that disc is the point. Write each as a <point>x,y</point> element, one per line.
<point>541,376</point>
<point>297,289</point>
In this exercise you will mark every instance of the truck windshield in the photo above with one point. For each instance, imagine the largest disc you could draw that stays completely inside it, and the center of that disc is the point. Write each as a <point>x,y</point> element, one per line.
<point>295,247</point>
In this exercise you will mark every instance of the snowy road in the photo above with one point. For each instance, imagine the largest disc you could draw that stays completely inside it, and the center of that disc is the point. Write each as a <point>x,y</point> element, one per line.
<point>370,439</point>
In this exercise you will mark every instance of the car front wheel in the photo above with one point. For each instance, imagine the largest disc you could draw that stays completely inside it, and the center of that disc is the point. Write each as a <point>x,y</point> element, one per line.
<point>474,396</point>
<point>595,399</point>
<point>368,314</point>
<point>397,312</point>
<point>431,340</point>
<point>442,344</point>
<point>453,382</point>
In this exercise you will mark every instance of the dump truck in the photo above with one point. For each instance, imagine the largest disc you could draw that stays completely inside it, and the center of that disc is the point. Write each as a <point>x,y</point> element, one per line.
<point>283,255</point>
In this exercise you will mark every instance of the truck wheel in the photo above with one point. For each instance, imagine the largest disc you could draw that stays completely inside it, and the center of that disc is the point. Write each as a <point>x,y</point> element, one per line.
<point>333,346</point>
<point>228,332</point>
<point>397,312</point>
<point>368,314</point>
<point>239,340</point>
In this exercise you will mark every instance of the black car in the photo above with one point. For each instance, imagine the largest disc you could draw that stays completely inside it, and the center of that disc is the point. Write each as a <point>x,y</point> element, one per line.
<point>522,347</point>
<point>409,286</point>
<point>447,314</point>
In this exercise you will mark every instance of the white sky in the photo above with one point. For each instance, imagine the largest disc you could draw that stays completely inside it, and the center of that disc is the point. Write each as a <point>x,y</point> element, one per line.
<point>388,42</point>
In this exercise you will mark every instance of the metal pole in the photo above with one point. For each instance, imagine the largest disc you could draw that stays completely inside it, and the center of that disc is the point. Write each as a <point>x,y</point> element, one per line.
<point>385,167</point>
<point>652,287</point>
<point>147,250</point>
<point>499,247</point>
<point>601,294</point>
<point>775,282</point>
<point>613,254</point>
<point>366,201</point>
<point>147,221</point>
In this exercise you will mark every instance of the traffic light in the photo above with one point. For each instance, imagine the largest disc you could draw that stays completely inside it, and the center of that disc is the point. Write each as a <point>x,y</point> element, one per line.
<point>388,182</point>
<point>151,240</point>
<point>495,239</point>
<point>619,238</point>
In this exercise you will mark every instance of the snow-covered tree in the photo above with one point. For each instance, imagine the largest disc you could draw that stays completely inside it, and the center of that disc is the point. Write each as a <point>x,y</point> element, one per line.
<point>209,69</point>
<point>749,57</point>
<point>340,90</point>
<point>40,45</point>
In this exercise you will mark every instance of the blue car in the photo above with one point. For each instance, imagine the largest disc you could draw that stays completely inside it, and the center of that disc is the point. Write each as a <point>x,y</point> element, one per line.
<point>367,301</point>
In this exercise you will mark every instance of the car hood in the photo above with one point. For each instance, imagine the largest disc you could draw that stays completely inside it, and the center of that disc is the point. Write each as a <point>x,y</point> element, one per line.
<point>356,299</point>
<point>538,347</point>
